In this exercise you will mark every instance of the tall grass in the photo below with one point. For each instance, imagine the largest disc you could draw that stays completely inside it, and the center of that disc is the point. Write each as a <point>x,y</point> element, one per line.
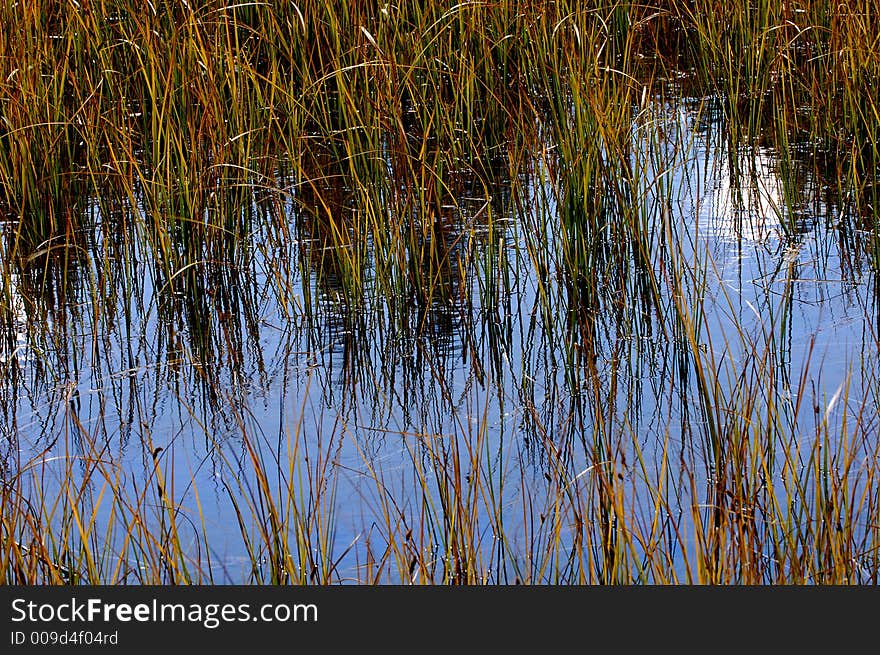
<point>466,230</point>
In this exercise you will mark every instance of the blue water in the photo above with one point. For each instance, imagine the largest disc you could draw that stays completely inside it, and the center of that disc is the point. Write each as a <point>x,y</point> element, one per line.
<point>362,411</point>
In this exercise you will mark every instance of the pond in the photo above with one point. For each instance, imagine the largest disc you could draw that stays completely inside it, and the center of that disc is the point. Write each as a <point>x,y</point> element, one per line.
<point>483,432</point>
<point>485,294</point>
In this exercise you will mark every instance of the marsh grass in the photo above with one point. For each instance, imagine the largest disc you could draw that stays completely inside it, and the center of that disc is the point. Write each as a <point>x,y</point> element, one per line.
<point>503,353</point>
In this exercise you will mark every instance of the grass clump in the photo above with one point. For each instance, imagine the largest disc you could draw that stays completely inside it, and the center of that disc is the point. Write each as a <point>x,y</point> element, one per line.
<point>465,294</point>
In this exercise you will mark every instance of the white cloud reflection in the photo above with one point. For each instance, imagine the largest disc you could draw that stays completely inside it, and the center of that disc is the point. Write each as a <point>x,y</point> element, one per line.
<point>745,201</point>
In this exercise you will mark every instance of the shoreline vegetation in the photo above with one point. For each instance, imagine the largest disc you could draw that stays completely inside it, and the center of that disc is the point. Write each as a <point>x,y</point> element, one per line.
<point>358,292</point>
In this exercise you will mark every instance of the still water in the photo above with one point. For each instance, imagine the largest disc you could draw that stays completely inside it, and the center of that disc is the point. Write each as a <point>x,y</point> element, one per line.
<point>396,430</point>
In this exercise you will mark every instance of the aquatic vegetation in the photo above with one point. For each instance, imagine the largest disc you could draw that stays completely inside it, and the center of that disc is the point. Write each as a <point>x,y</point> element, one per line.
<point>475,293</point>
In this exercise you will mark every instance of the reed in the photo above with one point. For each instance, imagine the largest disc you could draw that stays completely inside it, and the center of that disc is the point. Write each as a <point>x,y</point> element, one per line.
<point>313,293</point>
